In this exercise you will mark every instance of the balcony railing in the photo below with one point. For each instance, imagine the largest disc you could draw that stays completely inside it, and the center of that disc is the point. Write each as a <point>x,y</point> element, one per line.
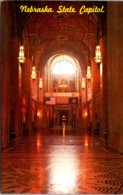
<point>66,94</point>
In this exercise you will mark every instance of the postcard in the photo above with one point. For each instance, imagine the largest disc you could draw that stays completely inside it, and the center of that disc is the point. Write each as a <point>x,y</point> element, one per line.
<point>62,97</point>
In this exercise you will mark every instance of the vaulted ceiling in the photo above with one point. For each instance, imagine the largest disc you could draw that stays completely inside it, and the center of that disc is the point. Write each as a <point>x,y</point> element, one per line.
<point>50,33</point>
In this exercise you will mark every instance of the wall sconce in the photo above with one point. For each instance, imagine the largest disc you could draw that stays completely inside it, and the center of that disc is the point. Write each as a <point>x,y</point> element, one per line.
<point>40,83</point>
<point>33,75</point>
<point>83,83</point>
<point>21,57</point>
<point>89,74</point>
<point>98,56</point>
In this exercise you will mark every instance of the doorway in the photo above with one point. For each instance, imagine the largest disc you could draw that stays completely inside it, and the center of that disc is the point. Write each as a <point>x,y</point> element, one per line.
<point>61,114</point>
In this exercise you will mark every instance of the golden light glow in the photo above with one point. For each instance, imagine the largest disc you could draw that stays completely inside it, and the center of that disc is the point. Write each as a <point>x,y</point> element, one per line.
<point>21,57</point>
<point>63,85</point>
<point>64,171</point>
<point>85,113</point>
<point>98,57</point>
<point>33,75</point>
<point>63,67</point>
<point>38,141</point>
<point>86,142</point>
<point>101,69</point>
<point>89,74</point>
<point>83,83</point>
<point>38,114</point>
<point>40,83</point>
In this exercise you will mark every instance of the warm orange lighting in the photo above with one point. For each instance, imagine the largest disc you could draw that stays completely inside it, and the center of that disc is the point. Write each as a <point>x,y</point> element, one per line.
<point>83,83</point>
<point>85,114</point>
<point>23,101</point>
<point>64,171</point>
<point>40,83</point>
<point>101,69</point>
<point>38,143</point>
<point>98,57</point>
<point>38,114</point>
<point>89,74</point>
<point>33,75</point>
<point>63,85</point>
<point>21,57</point>
<point>86,141</point>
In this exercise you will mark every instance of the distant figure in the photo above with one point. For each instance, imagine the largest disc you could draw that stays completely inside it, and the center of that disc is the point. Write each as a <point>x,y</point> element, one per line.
<point>63,120</point>
<point>63,124</point>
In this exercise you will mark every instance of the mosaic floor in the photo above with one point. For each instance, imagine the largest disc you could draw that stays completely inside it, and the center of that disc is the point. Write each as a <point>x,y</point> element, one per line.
<point>61,162</point>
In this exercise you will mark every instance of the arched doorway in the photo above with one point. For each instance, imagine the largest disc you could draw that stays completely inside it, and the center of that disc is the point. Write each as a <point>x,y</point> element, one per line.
<point>62,83</point>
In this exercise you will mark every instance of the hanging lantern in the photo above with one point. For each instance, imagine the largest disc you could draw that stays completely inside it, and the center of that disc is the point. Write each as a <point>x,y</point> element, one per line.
<point>98,57</point>
<point>33,75</point>
<point>40,83</point>
<point>88,75</point>
<point>83,83</point>
<point>21,57</point>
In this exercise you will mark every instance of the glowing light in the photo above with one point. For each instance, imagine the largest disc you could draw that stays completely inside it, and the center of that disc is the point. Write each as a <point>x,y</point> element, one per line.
<point>63,85</point>
<point>86,141</point>
<point>101,69</point>
<point>64,171</point>
<point>38,114</point>
<point>40,83</point>
<point>38,143</point>
<point>83,83</point>
<point>85,113</point>
<point>33,75</point>
<point>89,74</point>
<point>98,57</point>
<point>21,57</point>
<point>63,67</point>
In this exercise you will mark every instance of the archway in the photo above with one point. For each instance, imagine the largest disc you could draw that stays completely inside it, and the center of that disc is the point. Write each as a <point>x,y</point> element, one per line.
<point>62,83</point>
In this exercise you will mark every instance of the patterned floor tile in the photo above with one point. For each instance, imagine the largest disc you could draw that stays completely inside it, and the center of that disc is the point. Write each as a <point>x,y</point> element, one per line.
<point>49,163</point>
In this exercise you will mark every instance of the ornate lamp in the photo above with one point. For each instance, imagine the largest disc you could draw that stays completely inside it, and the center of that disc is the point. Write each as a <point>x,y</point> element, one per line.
<point>33,75</point>
<point>21,57</point>
<point>89,74</point>
<point>98,57</point>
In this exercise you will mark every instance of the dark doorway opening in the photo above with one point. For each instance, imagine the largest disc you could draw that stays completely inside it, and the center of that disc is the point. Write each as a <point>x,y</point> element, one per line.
<point>61,114</point>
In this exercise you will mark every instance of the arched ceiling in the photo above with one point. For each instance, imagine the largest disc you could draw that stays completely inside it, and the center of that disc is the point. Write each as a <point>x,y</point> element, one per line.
<point>49,33</point>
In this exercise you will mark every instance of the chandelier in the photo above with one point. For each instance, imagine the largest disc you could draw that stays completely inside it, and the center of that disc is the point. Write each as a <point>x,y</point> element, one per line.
<point>33,75</point>
<point>21,57</point>
<point>89,74</point>
<point>98,56</point>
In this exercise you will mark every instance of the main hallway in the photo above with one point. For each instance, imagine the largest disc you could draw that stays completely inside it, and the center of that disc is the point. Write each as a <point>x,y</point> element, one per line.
<point>60,161</point>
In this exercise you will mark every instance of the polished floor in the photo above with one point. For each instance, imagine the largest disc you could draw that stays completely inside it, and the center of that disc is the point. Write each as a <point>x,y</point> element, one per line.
<point>61,162</point>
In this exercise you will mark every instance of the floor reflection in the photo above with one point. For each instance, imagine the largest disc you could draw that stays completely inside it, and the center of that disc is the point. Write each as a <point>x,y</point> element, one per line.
<point>64,162</point>
<point>63,174</point>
